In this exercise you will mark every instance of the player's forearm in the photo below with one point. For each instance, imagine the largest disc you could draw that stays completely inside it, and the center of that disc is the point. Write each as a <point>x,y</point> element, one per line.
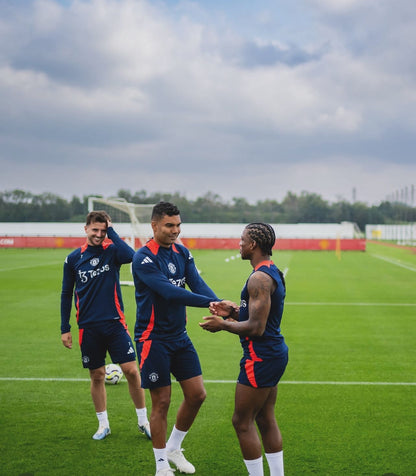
<point>124,251</point>
<point>65,325</point>
<point>183,296</point>
<point>248,328</point>
<point>66,305</point>
<point>169,291</point>
<point>198,285</point>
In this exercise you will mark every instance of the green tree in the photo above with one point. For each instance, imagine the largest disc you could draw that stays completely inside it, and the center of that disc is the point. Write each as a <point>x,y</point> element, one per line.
<point>21,206</point>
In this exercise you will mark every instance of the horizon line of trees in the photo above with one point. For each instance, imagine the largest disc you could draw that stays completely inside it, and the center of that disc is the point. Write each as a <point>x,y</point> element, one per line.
<point>23,206</point>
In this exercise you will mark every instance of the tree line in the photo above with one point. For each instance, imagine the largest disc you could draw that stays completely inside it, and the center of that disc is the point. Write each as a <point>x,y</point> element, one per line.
<point>23,206</point>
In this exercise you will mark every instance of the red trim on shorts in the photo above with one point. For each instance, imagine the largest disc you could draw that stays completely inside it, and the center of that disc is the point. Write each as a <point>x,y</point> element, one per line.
<point>249,364</point>
<point>80,336</point>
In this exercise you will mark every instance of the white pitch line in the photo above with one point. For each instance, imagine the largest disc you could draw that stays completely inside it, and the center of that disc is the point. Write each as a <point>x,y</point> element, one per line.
<point>53,263</point>
<point>287,382</point>
<point>405,304</point>
<point>43,379</point>
<point>311,382</point>
<point>395,262</point>
<point>307,382</point>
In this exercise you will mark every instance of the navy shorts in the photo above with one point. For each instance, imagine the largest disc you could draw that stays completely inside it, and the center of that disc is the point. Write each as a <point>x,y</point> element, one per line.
<point>262,373</point>
<point>110,336</point>
<point>158,359</point>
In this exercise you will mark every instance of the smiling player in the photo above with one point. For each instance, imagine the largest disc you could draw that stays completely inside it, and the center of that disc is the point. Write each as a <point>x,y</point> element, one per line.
<point>94,271</point>
<point>161,269</point>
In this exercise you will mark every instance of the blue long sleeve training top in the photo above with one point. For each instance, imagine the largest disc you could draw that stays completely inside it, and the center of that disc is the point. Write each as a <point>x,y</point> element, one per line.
<point>95,273</point>
<point>160,275</point>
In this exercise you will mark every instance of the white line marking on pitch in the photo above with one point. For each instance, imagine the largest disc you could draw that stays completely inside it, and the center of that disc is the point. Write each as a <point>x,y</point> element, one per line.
<point>33,266</point>
<point>396,262</point>
<point>308,382</point>
<point>288,382</point>
<point>405,304</point>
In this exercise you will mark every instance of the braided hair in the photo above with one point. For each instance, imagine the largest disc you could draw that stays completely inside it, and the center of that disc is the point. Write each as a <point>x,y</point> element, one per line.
<point>264,235</point>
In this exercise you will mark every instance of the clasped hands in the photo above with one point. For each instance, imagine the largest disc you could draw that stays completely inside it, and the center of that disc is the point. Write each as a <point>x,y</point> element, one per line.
<point>220,311</point>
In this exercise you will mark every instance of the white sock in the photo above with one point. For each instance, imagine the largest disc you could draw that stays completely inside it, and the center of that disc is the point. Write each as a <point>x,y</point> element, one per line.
<point>275,461</point>
<point>254,466</point>
<point>161,458</point>
<point>103,418</point>
<point>175,439</point>
<point>141,415</point>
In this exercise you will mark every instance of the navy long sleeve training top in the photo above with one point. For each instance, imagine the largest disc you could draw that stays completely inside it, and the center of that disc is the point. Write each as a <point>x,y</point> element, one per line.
<point>160,275</point>
<point>94,271</point>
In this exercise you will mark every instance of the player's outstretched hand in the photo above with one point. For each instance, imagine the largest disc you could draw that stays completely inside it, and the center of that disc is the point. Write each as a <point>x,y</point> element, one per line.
<point>224,308</point>
<point>212,323</point>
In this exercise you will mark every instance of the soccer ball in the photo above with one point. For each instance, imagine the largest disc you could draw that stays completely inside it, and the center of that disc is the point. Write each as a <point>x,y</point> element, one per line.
<point>113,374</point>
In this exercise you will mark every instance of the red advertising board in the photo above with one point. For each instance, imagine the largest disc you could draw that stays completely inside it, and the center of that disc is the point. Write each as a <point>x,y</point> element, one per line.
<point>191,243</point>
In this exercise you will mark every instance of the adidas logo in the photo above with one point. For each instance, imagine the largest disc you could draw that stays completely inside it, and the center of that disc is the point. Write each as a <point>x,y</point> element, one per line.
<point>147,260</point>
<point>131,350</point>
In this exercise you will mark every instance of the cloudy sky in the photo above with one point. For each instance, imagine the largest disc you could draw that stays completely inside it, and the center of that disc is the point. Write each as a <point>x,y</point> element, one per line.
<point>239,98</point>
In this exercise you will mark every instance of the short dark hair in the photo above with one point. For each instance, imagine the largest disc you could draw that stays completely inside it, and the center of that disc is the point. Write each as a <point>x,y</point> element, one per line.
<point>164,208</point>
<point>263,234</point>
<point>99,215</point>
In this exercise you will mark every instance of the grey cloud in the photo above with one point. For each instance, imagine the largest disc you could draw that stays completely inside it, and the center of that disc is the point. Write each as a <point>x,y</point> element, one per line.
<point>172,100</point>
<point>253,54</point>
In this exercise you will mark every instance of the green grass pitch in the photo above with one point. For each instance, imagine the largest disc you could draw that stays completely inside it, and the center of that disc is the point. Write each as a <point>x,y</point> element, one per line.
<point>346,405</point>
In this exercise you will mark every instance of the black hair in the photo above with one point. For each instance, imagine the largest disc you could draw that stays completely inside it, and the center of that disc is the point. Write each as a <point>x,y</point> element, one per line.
<point>263,234</point>
<point>164,208</point>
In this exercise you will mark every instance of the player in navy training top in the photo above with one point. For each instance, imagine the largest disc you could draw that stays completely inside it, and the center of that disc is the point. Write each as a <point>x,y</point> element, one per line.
<point>265,353</point>
<point>94,269</point>
<point>161,269</point>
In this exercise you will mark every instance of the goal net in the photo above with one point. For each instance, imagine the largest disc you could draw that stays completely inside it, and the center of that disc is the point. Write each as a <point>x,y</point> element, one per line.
<point>132,219</point>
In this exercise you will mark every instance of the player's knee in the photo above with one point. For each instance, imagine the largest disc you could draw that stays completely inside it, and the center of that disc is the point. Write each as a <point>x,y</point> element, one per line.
<point>97,375</point>
<point>131,372</point>
<point>161,408</point>
<point>196,399</point>
<point>264,424</point>
<point>201,396</point>
<point>240,425</point>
